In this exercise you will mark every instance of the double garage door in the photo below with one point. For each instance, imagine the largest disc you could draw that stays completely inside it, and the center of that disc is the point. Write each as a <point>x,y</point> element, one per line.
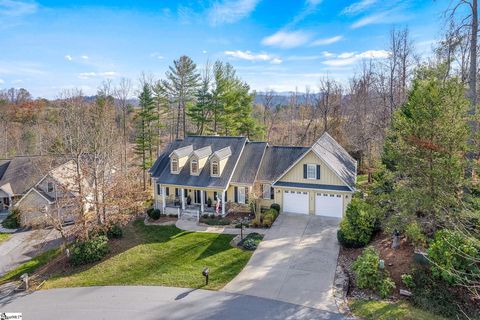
<point>329,205</point>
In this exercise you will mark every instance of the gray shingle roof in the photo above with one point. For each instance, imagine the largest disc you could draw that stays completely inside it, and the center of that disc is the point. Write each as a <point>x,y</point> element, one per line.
<point>223,153</point>
<point>161,168</point>
<point>249,163</point>
<point>203,152</point>
<point>277,159</point>
<point>311,186</point>
<point>183,151</point>
<point>337,157</point>
<point>22,173</point>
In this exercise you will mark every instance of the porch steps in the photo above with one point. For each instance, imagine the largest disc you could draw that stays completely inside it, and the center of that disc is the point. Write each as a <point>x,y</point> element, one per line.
<point>189,215</point>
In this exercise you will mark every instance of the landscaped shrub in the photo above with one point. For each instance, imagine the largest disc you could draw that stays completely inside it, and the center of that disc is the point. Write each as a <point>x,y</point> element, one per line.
<point>454,257</point>
<point>89,251</point>
<point>268,217</point>
<point>407,280</point>
<point>115,232</point>
<point>358,226</point>
<point>368,274</point>
<point>12,221</point>
<point>154,214</point>
<point>251,241</point>
<point>275,206</point>
<point>414,234</point>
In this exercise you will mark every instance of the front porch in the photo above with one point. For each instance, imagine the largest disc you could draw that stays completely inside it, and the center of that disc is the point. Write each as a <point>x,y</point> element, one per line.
<point>176,200</point>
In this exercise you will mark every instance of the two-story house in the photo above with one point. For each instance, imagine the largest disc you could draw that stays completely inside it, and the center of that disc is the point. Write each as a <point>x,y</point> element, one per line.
<point>201,171</point>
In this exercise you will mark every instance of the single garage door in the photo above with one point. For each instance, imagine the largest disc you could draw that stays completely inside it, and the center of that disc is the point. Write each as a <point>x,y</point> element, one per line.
<point>329,205</point>
<point>295,201</point>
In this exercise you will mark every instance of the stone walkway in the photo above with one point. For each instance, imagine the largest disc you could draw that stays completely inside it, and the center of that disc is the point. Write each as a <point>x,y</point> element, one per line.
<point>194,227</point>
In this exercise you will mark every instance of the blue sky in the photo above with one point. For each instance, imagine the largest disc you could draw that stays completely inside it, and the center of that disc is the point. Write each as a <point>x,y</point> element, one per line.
<point>48,46</point>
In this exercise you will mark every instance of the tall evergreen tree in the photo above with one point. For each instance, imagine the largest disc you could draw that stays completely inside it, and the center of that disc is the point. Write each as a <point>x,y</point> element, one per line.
<point>181,84</point>
<point>200,112</point>
<point>147,133</point>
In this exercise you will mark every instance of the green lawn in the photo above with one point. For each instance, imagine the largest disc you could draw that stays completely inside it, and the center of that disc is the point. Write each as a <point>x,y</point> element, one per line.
<point>4,237</point>
<point>384,310</point>
<point>30,266</point>
<point>161,255</point>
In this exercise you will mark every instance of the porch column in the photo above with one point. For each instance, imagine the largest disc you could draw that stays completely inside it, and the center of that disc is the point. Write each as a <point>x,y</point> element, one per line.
<point>164,203</point>
<point>10,204</point>
<point>223,203</point>
<point>202,200</point>
<point>183,198</point>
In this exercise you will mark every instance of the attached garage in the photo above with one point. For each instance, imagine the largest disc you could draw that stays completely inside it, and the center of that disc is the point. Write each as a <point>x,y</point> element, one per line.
<point>328,205</point>
<point>295,201</point>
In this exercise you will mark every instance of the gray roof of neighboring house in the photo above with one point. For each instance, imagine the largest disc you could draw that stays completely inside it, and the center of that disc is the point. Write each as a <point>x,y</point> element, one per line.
<point>337,157</point>
<point>223,153</point>
<point>161,168</point>
<point>203,152</point>
<point>183,151</point>
<point>22,173</point>
<point>311,186</point>
<point>249,163</point>
<point>3,167</point>
<point>277,159</point>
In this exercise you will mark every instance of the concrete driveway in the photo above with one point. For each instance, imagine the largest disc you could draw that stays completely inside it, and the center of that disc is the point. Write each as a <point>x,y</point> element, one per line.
<point>294,263</point>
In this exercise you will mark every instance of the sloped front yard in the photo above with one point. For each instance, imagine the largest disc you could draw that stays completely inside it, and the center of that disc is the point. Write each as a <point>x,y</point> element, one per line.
<point>160,255</point>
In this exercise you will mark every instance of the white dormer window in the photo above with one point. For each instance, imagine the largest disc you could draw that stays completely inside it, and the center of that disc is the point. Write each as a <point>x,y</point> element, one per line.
<point>194,166</point>
<point>311,171</point>
<point>174,165</point>
<point>215,168</point>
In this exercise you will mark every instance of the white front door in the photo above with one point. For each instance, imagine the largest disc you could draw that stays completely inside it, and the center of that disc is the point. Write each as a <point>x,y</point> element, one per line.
<point>328,205</point>
<point>295,201</point>
<point>241,195</point>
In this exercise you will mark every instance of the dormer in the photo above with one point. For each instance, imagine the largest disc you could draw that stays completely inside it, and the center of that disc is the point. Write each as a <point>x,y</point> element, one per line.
<point>179,157</point>
<point>198,159</point>
<point>218,160</point>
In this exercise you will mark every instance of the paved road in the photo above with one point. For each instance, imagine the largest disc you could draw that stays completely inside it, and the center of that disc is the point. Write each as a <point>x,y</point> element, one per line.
<point>294,263</point>
<point>145,303</point>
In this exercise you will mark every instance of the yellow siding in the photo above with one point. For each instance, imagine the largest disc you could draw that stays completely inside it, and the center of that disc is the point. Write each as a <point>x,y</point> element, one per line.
<point>327,176</point>
<point>182,161</point>
<point>201,163</point>
<point>222,164</point>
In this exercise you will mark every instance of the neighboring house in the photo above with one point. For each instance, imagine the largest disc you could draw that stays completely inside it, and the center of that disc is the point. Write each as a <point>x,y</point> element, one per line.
<point>316,180</point>
<point>53,196</point>
<point>19,174</point>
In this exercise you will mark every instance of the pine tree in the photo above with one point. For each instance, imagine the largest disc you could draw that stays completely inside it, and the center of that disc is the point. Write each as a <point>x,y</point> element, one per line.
<point>200,112</point>
<point>147,133</point>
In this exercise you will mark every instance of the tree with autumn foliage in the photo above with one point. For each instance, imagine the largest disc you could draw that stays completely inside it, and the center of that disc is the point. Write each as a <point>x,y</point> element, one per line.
<point>426,147</point>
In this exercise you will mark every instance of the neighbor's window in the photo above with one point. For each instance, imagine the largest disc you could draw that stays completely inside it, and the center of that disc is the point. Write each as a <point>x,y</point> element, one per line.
<point>215,168</point>
<point>174,164</point>
<point>311,171</point>
<point>194,166</point>
<point>267,191</point>
<point>50,187</point>
<point>159,189</point>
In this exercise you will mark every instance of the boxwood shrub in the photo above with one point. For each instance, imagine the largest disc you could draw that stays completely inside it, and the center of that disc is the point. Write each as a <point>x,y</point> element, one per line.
<point>114,232</point>
<point>12,221</point>
<point>251,241</point>
<point>275,206</point>
<point>357,228</point>
<point>154,214</point>
<point>89,251</point>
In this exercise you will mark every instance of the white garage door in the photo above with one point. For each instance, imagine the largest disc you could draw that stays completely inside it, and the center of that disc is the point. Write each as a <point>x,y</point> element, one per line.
<point>329,205</point>
<point>295,201</point>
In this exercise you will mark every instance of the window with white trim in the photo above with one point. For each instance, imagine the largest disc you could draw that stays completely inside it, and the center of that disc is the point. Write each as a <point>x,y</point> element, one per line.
<point>214,168</point>
<point>311,171</point>
<point>174,165</point>
<point>159,189</point>
<point>194,166</point>
<point>266,191</point>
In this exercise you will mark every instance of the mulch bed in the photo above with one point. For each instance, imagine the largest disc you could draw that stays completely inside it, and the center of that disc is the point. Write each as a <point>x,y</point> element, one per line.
<point>397,261</point>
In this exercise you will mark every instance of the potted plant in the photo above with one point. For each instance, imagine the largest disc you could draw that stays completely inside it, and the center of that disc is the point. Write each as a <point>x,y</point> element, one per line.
<point>209,202</point>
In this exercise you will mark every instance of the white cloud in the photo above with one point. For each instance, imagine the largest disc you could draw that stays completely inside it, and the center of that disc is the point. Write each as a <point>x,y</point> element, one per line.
<point>372,19</point>
<point>231,11</point>
<point>303,58</point>
<point>156,55</point>
<point>349,58</point>
<point>68,57</point>
<point>249,56</point>
<point>327,54</point>
<point>204,51</point>
<point>358,7</point>
<point>326,41</point>
<point>286,39</point>
<point>2,81</point>
<point>84,57</point>
<point>17,81</point>
<point>90,75</point>
<point>16,8</point>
